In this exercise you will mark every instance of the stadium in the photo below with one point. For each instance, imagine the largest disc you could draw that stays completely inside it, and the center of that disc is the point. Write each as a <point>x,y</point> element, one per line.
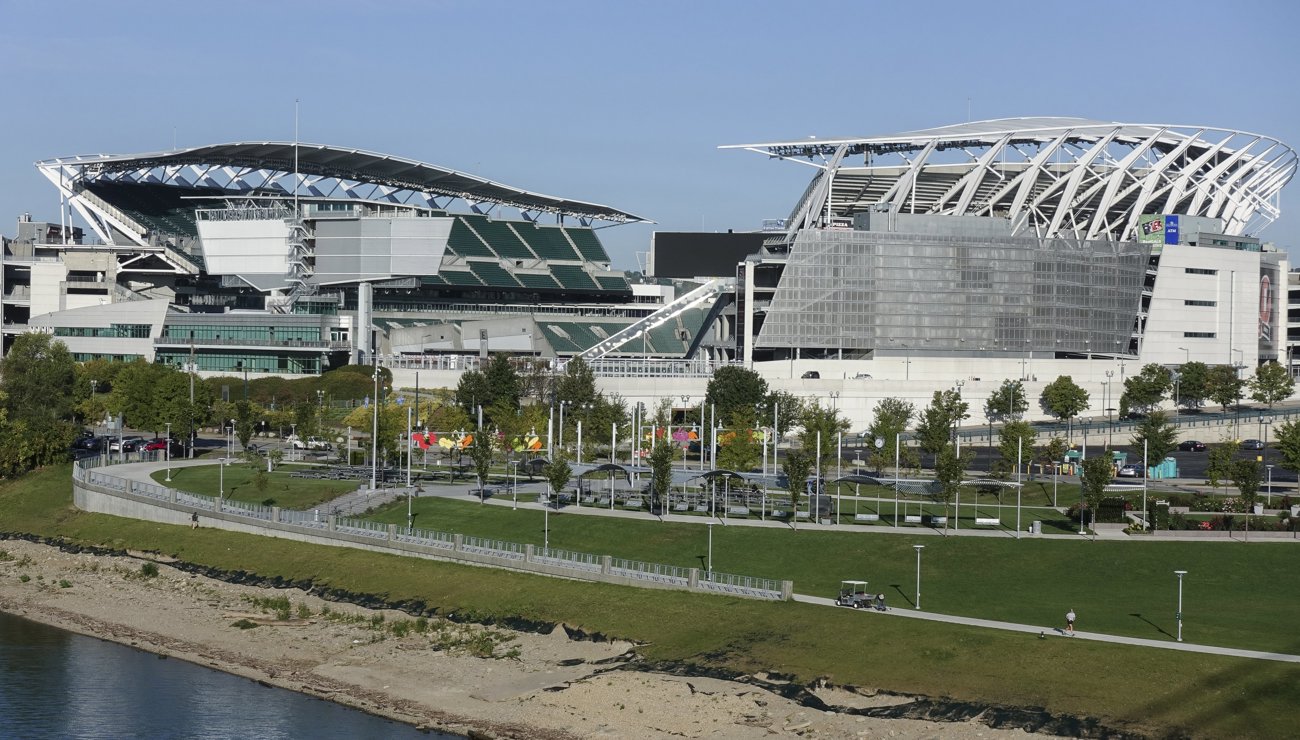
<point>962,255</point>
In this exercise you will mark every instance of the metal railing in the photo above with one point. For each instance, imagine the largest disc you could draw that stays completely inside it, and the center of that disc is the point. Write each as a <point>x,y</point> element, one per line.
<point>92,472</point>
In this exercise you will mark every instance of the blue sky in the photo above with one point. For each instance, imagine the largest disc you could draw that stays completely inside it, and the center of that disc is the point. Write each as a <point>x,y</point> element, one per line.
<point>621,103</point>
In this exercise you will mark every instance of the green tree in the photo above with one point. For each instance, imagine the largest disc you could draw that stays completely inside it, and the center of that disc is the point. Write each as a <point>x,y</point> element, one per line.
<point>1145,391</point>
<point>1097,474</point>
<point>577,386</point>
<point>734,389</point>
<point>245,419</point>
<point>1224,385</point>
<point>739,447</point>
<point>1007,402</point>
<point>38,377</point>
<point>472,390</point>
<point>1193,385</point>
<point>949,472</point>
<point>826,420</point>
<point>889,420</point>
<point>1246,477</point>
<point>1015,442</point>
<point>797,466</point>
<point>1287,444</point>
<point>557,472</point>
<point>1159,436</point>
<point>134,395</point>
<point>661,473</point>
<point>503,384</point>
<point>1271,383</point>
<point>481,450</point>
<point>1063,398</point>
<point>935,428</point>
<point>789,409</point>
<point>1219,461</point>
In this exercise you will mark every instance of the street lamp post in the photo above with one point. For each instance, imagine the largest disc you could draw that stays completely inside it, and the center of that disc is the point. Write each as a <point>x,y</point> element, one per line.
<point>709,562</point>
<point>1269,494</point>
<point>1110,409</point>
<point>918,549</point>
<point>1187,355</point>
<point>1179,614</point>
<point>168,451</point>
<point>514,482</point>
<point>94,384</point>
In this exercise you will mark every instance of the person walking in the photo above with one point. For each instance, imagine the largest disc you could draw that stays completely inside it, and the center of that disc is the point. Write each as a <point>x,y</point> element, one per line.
<point>1069,622</point>
<point>194,520</point>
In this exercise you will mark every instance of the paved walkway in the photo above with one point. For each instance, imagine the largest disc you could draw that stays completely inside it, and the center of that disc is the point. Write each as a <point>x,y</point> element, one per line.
<point>369,499</point>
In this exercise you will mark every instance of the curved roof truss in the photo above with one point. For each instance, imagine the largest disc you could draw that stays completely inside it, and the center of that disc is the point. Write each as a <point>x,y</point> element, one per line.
<point>1052,176</point>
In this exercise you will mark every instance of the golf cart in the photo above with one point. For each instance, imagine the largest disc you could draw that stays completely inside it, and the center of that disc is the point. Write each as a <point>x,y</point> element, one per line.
<point>854,594</point>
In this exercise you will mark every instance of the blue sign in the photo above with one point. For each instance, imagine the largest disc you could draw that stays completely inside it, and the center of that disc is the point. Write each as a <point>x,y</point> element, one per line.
<point>1171,229</point>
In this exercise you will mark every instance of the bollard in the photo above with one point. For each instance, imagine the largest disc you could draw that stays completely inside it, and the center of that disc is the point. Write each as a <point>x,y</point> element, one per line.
<point>528,553</point>
<point>392,532</point>
<point>457,541</point>
<point>605,562</point>
<point>275,514</point>
<point>693,580</point>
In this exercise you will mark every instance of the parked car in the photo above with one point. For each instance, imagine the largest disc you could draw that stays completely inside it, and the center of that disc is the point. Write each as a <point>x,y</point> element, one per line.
<point>125,444</point>
<point>811,375</point>
<point>311,443</point>
<point>1191,445</point>
<point>862,376</point>
<point>88,443</point>
<point>1131,471</point>
<point>1253,444</point>
<point>162,444</point>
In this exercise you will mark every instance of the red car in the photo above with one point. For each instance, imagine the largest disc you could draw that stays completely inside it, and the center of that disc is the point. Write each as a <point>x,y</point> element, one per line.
<point>161,444</point>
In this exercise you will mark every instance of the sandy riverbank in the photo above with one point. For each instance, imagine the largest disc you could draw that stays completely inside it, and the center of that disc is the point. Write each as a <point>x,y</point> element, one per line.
<point>428,673</point>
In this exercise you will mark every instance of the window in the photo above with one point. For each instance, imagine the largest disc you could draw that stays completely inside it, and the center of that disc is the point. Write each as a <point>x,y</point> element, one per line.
<point>1200,303</point>
<point>1198,335</point>
<point>1200,271</point>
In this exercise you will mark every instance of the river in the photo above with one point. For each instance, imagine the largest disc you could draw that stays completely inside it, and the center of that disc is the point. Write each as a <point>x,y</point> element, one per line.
<point>58,684</point>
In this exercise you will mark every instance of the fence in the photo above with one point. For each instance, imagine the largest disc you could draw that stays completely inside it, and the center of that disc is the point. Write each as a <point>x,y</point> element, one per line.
<point>150,501</point>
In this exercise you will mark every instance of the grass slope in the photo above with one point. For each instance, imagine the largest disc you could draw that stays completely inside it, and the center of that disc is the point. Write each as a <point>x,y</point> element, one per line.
<point>1137,689</point>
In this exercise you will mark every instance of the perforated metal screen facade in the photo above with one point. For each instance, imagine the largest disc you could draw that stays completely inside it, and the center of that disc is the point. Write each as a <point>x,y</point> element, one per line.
<point>864,290</point>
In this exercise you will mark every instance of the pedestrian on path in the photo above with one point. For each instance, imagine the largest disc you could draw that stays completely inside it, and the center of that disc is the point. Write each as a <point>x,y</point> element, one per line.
<point>194,520</point>
<point>1069,621</point>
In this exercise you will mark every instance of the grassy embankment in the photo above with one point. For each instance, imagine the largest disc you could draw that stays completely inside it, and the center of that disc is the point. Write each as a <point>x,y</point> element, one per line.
<point>1137,689</point>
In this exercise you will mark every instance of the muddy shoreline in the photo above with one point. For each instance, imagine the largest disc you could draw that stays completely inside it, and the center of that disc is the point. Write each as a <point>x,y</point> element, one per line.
<point>522,680</point>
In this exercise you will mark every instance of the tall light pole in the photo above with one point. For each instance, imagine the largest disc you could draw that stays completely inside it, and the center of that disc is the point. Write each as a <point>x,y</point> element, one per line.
<point>1179,614</point>
<point>918,549</point>
<point>1187,355</point>
<point>514,482</point>
<point>168,451</point>
<point>709,562</point>
<point>1110,408</point>
<point>374,428</point>
<point>93,385</point>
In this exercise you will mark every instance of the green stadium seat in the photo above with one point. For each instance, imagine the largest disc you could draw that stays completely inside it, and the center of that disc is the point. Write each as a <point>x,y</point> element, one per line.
<point>588,245</point>
<point>465,243</point>
<point>499,237</point>
<point>573,277</point>
<point>613,282</point>
<point>492,274</point>
<point>533,280</point>
<point>459,277</point>
<point>548,242</point>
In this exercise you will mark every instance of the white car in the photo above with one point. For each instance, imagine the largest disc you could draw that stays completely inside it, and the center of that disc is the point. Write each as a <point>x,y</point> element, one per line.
<point>311,443</point>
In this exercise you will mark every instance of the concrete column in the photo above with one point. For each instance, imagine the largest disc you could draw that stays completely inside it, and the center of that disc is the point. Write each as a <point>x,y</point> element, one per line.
<point>171,495</point>
<point>693,580</point>
<point>457,541</point>
<point>528,553</point>
<point>275,514</point>
<point>605,562</point>
<point>334,522</point>
<point>787,590</point>
<point>392,532</point>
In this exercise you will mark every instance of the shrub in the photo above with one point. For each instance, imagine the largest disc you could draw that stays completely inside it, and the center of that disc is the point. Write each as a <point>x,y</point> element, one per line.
<point>149,570</point>
<point>24,578</point>
<point>65,583</point>
<point>244,624</point>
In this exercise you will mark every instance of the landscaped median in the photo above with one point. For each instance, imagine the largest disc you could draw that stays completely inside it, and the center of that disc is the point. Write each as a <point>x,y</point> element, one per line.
<point>1243,591</point>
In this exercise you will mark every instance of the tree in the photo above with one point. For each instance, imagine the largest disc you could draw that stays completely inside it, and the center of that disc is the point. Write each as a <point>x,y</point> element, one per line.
<point>481,450</point>
<point>473,390</point>
<point>826,421</point>
<point>1015,444</point>
<point>1097,474</point>
<point>1159,436</point>
<point>661,472</point>
<point>557,472</point>
<point>739,447</point>
<point>38,378</point>
<point>577,386</point>
<point>890,419</point>
<point>789,409</point>
<point>1145,391</point>
<point>1063,399</point>
<point>935,428</point>
<point>1224,386</point>
<point>134,395</point>
<point>1245,476</point>
<point>797,465</point>
<point>503,385</point>
<point>1287,444</point>
<point>1193,385</point>
<point>949,472</point>
<point>1219,461</point>
<point>1271,383</point>
<point>1007,402</point>
<point>244,421</point>
<point>735,389</point>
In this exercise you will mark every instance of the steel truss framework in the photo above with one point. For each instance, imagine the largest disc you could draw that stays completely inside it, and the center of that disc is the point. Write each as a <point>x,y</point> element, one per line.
<point>245,169</point>
<point>1054,177</point>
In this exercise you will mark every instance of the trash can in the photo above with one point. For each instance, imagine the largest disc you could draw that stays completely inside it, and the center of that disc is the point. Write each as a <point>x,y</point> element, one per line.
<point>1036,528</point>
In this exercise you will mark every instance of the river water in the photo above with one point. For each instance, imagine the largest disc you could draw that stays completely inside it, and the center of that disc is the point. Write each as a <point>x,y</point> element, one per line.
<point>57,684</point>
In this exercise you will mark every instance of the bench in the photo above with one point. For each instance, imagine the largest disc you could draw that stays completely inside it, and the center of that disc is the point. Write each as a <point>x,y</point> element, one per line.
<point>602,501</point>
<point>866,517</point>
<point>681,507</point>
<point>801,515</point>
<point>912,518</point>
<point>938,521</point>
<point>632,503</point>
<point>738,511</point>
<point>981,521</point>
<point>778,513</point>
<point>701,508</point>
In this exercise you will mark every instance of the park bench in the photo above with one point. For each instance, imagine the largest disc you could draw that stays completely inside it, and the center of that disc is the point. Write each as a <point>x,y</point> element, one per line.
<point>938,521</point>
<point>777,513</point>
<point>801,515</point>
<point>982,521</point>
<point>738,511</point>
<point>866,517</point>
<point>911,518</point>
<point>681,506</point>
<point>632,503</point>
<point>701,508</point>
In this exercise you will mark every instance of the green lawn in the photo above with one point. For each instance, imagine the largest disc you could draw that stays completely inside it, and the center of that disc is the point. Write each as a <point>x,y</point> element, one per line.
<point>1136,690</point>
<point>283,489</point>
<point>1235,595</point>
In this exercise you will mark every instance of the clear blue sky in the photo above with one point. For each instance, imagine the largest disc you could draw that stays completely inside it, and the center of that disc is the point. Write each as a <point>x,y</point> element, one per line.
<point>621,103</point>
